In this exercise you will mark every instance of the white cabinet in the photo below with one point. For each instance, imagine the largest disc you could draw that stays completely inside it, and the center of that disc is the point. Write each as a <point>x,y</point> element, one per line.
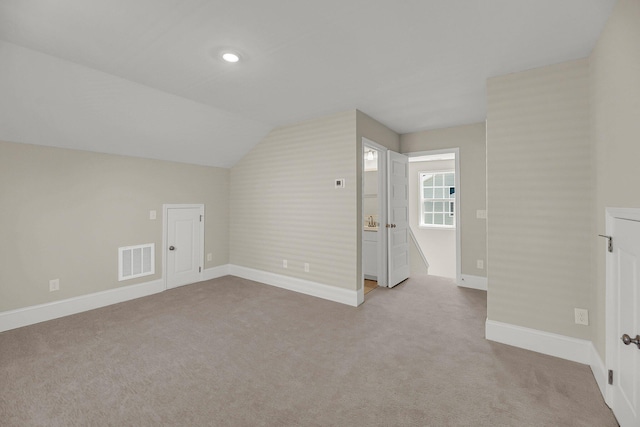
<point>370,254</point>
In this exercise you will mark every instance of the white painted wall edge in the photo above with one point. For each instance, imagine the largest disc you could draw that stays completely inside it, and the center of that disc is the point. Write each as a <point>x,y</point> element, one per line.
<point>574,349</point>
<point>415,242</point>
<point>53,310</point>
<point>473,282</point>
<point>331,293</point>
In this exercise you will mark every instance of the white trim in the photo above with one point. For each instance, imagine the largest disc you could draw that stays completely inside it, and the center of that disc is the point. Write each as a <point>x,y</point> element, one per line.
<point>360,297</point>
<point>331,293</point>
<point>215,272</point>
<point>53,310</point>
<point>569,348</point>
<point>599,371</point>
<point>421,199</point>
<point>473,282</point>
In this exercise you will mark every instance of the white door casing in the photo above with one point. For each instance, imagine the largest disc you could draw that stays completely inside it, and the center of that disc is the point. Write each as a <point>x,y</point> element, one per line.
<point>397,217</point>
<point>623,316</point>
<point>183,244</point>
<point>381,246</point>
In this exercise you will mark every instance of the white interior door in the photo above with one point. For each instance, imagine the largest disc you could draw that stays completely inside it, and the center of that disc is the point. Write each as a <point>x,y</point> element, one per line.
<point>184,238</point>
<point>397,217</point>
<point>626,363</point>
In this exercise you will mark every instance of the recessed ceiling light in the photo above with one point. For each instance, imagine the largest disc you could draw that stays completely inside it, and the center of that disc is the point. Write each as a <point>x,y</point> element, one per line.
<point>230,57</point>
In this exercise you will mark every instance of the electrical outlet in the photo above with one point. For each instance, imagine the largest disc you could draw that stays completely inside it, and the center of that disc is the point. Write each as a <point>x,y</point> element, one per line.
<point>209,257</point>
<point>481,214</point>
<point>152,215</point>
<point>480,264</point>
<point>306,267</point>
<point>54,285</point>
<point>284,263</point>
<point>582,316</point>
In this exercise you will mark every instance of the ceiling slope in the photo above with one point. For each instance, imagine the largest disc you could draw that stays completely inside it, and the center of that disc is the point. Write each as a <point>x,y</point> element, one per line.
<point>412,65</point>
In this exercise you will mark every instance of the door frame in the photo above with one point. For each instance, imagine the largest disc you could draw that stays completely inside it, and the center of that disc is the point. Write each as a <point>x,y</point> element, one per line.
<point>456,152</point>
<point>383,278</point>
<point>165,219</point>
<point>611,292</point>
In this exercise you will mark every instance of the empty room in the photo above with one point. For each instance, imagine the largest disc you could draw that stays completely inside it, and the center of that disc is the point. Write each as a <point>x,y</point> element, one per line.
<point>336,213</point>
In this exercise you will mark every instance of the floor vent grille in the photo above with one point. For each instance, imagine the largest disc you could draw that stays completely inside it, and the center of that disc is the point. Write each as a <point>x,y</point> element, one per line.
<point>136,261</point>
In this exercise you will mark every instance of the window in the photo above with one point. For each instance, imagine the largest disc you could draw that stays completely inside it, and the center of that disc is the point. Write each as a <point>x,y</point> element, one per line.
<point>437,199</point>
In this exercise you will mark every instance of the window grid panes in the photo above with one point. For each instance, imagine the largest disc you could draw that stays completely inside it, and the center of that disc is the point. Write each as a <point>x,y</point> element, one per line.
<point>437,199</point>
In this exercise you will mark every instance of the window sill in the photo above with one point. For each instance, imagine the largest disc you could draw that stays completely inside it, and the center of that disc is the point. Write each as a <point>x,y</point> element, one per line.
<point>436,227</point>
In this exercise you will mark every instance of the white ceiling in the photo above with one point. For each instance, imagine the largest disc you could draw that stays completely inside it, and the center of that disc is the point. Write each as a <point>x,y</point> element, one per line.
<point>410,64</point>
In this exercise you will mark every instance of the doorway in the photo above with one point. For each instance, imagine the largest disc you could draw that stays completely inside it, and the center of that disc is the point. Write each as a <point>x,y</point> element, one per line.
<point>183,244</point>
<point>622,314</point>
<point>373,202</point>
<point>385,233</point>
<point>434,215</point>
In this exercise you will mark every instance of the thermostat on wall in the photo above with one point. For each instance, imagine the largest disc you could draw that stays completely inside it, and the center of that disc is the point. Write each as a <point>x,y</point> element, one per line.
<point>340,183</point>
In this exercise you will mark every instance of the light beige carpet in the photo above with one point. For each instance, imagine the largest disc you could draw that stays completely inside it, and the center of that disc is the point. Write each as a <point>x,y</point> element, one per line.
<point>230,352</point>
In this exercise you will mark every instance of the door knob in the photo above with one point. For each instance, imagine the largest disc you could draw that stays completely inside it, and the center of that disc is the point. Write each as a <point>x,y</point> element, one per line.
<point>626,339</point>
<point>172,248</point>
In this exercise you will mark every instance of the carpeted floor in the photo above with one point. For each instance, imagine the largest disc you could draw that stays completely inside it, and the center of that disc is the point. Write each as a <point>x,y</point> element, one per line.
<point>230,352</point>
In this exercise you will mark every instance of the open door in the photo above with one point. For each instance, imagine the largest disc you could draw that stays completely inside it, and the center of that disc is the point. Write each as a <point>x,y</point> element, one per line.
<point>397,217</point>
<point>624,338</point>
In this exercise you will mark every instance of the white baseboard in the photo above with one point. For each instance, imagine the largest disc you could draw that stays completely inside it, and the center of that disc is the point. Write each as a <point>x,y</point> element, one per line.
<point>600,372</point>
<point>360,296</point>
<point>473,282</point>
<point>39,313</point>
<point>574,349</point>
<point>332,293</point>
<point>215,272</point>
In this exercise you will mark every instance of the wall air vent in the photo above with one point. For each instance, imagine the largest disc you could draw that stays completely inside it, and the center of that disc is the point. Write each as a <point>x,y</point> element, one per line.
<point>136,261</point>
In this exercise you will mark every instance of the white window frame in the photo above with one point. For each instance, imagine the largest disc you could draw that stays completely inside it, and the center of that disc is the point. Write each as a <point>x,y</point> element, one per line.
<point>451,201</point>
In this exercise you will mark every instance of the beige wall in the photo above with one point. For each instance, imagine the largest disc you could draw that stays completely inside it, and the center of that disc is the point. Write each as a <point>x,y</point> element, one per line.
<point>375,131</point>
<point>470,139</point>
<point>438,245</point>
<point>64,214</point>
<point>615,109</point>
<point>284,204</point>
<point>540,182</point>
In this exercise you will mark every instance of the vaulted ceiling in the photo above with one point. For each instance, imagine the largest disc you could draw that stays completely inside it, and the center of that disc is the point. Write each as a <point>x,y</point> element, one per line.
<point>410,64</point>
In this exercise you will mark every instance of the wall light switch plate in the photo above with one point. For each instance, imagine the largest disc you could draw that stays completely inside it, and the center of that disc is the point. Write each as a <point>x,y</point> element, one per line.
<point>152,214</point>
<point>480,264</point>
<point>481,214</point>
<point>340,183</point>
